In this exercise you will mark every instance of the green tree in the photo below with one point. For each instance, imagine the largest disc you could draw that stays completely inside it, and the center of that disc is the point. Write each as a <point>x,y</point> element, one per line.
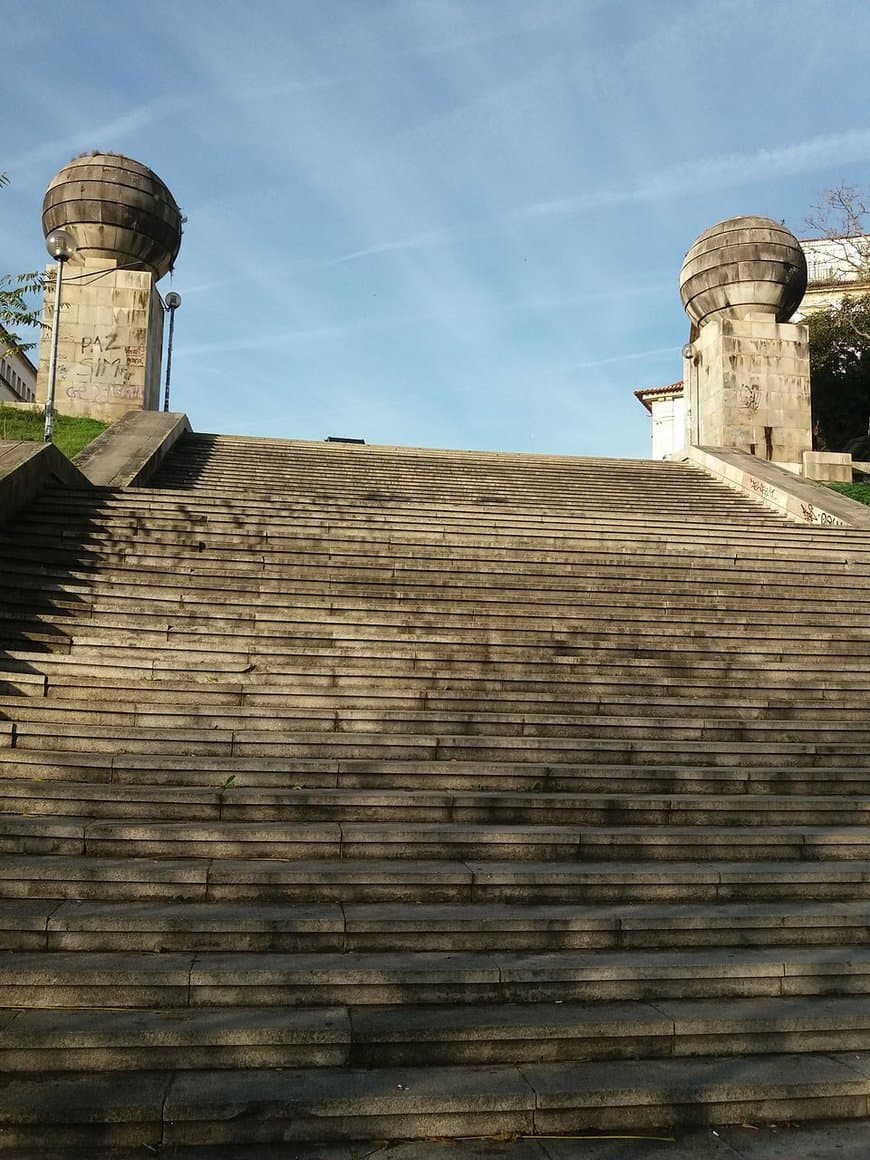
<point>840,334</point>
<point>17,310</point>
<point>840,373</point>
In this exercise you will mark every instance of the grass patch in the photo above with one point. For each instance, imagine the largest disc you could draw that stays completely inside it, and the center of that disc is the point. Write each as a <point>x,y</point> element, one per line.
<point>70,435</point>
<point>857,491</point>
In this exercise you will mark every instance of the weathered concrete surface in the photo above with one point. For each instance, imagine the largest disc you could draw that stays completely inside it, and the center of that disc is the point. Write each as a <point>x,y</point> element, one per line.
<point>748,387</point>
<point>110,340</point>
<point>791,495</point>
<point>744,267</point>
<point>827,466</point>
<point>26,468</point>
<point>826,1141</point>
<point>128,452</point>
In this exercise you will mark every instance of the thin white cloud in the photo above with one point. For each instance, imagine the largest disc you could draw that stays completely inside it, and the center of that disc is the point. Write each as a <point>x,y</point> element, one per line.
<point>619,358</point>
<point>414,242</point>
<point>708,175</point>
<point>102,135</point>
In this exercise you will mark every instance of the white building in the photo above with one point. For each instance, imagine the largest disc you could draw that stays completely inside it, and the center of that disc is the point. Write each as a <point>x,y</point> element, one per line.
<point>17,374</point>
<point>667,407</point>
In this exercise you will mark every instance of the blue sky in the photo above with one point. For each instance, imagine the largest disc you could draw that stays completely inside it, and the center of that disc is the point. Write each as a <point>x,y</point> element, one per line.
<point>452,223</point>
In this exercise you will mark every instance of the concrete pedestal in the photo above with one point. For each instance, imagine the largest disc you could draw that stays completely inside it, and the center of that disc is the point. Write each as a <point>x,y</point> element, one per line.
<point>748,387</point>
<point>110,341</point>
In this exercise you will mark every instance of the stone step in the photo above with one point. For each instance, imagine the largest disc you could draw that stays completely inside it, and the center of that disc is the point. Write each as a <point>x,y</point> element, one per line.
<point>54,925</point>
<point>685,540</point>
<point>185,702</point>
<point>188,652</point>
<point>684,722</point>
<point>486,580</point>
<point>844,596</point>
<point>199,697</point>
<point>315,881</point>
<point>408,639</point>
<point>101,533</point>
<point>266,1037</point>
<point>415,841</point>
<point>142,505</point>
<point>215,773</point>
<point>69,979</point>
<point>607,747</point>
<point>421,623</point>
<point>237,804</point>
<point>551,564</point>
<point>69,834</point>
<point>119,1040</point>
<point>346,670</point>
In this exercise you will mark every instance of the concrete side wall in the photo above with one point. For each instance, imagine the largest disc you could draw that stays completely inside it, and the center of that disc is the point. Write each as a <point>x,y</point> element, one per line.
<point>753,389</point>
<point>131,450</point>
<point>799,499</point>
<point>26,468</point>
<point>109,344</point>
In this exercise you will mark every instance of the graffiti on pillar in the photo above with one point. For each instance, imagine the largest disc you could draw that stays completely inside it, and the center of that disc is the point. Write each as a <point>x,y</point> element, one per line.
<point>104,362</point>
<point>751,397</point>
<point>102,358</point>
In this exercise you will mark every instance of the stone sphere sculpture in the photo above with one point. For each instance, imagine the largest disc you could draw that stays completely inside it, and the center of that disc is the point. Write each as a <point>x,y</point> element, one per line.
<point>741,268</point>
<point>117,210</point>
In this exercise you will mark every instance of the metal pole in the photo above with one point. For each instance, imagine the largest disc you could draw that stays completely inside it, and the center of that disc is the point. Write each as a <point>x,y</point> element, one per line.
<point>173,301</point>
<point>52,366</point>
<point>169,357</point>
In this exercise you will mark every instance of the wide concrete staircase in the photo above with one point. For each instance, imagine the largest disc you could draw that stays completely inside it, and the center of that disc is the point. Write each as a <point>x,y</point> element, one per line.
<point>359,793</point>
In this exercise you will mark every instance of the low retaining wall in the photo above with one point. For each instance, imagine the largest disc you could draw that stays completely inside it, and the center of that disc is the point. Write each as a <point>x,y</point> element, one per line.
<point>26,468</point>
<point>791,495</point>
<point>131,450</point>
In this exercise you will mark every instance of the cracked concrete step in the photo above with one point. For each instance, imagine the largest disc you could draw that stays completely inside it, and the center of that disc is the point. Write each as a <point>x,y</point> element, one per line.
<point>156,606</point>
<point>368,539</point>
<point>252,1037</point>
<point>680,721</point>
<point>216,772</point>
<point>606,696</point>
<point>414,841</point>
<point>76,516</point>
<point>84,540</point>
<point>843,603</point>
<point>212,979</point>
<point>544,1032</point>
<point>418,552</point>
<point>119,1040</point>
<point>241,723</point>
<point>514,651</point>
<point>158,1109</point>
<point>486,576</point>
<point>50,924</point>
<point>312,880</point>
<point>193,699</point>
<point>349,667</point>
<point>410,747</point>
<point>143,504</point>
<point>234,803</point>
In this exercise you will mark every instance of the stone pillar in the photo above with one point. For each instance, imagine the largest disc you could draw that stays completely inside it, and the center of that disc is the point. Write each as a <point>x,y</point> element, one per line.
<point>752,388</point>
<point>126,229</point>
<point>747,369</point>
<point>109,344</point>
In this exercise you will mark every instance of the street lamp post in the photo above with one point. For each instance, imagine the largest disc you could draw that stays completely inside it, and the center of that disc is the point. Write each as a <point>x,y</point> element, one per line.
<point>173,301</point>
<point>61,246</point>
